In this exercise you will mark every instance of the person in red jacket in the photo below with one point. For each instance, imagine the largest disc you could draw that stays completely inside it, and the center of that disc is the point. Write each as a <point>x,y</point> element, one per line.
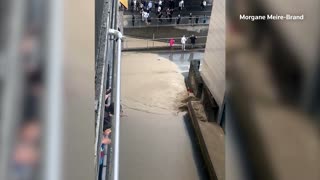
<point>171,42</point>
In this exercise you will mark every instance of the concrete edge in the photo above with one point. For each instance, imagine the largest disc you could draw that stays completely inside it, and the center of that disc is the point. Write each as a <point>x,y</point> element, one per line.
<point>203,148</point>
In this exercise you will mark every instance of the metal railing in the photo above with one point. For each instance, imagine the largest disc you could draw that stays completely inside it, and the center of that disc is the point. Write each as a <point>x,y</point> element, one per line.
<point>11,84</point>
<point>116,126</point>
<point>187,7</point>
<point>104,63</point>
<point>130,43</point>
<point>139,21</point>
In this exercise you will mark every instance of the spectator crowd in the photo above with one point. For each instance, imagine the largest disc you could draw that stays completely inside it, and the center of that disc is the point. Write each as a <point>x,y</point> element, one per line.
<point>163,9</point>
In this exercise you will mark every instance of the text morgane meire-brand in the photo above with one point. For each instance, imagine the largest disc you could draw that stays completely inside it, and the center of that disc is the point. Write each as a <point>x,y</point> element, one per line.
<point>270,17</point>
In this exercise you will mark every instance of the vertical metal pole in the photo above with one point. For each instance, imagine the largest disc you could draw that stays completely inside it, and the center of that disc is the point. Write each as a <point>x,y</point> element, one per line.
<point>117,92</point>
<point>54,119</point>
<point>117,116</point>
<point>12,94</point>
<point>153,39</point>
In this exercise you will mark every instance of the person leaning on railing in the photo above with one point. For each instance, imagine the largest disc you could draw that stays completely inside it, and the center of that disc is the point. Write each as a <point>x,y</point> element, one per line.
<point>190,18</point>
<point>193,40</point>
<point>204,19</point>
<point>197,19</point>
<point>183,42</point>
<point>133,20</point>
<point>160,17</point>
<point>171,42</point>
<point>178,19</point>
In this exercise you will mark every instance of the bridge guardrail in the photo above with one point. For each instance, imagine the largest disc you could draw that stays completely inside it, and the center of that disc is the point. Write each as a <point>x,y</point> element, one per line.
<point>155,22</point>
<point>159,42</point>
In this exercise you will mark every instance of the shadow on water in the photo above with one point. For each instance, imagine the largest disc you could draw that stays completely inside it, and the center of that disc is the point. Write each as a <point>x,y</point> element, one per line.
<point>200,164</point>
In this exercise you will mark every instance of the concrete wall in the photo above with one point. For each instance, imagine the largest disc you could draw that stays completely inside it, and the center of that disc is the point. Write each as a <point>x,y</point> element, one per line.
<point>213,66</point>
<point>98,18</point>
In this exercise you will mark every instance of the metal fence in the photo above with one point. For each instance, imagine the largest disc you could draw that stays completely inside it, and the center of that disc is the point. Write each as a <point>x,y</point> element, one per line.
<point>132,43</point>
<point>138,21</point>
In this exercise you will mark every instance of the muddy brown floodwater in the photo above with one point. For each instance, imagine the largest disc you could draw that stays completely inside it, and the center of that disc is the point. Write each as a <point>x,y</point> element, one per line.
<point>156,141</point>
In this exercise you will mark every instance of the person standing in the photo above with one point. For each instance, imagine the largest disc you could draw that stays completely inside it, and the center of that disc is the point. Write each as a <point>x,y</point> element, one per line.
<point>171,42</point>
<point>144,2</point>
<point>181,5</point>
<point>146,17</point>
<point>135,5</point>
<point>141,7</point>
<point>159,9</point>
<point>197,19</point>
<point>160,17</point>
<point>143,14</point>
<point>133,20</point>
<point>171,5</point>
<point>193,40</point>
<point>132,6</point>
<point>203,4</point>
<point>204,19</point>
<point>190,18</point>
<point>149,18</point>
<point>150,5</point>
<point>160,3</point>
<point>183,42</point>
<point>178,19</point>
<point>168,14</point>
<point>156,5</point>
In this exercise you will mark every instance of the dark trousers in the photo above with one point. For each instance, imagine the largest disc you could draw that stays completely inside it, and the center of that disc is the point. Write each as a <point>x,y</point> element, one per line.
<point>100,171</point>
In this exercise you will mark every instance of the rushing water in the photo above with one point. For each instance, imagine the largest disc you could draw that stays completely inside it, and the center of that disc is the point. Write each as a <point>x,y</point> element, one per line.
<point>156,143</point>
<point>160,147</point>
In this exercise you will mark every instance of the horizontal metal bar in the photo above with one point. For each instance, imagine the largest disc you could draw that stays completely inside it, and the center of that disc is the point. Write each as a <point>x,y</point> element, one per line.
<point>157,39</point>
<point>175,17</point>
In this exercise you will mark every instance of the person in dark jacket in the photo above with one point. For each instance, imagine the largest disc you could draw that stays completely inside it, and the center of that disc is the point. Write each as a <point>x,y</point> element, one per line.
<point>160,17</point>
<point>171,4</point>
<point>170,15</point>
<point>178,19</point>
<point>193,40</point>
<point>133,20</point>
<point>204,19</point>
<point>197,19</point>
<point>190,18</point>
<point>156,5</point>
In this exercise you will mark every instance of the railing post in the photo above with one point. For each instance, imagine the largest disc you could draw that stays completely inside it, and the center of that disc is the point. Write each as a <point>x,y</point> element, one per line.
<point>116,127</point>
<point>153,39</point>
